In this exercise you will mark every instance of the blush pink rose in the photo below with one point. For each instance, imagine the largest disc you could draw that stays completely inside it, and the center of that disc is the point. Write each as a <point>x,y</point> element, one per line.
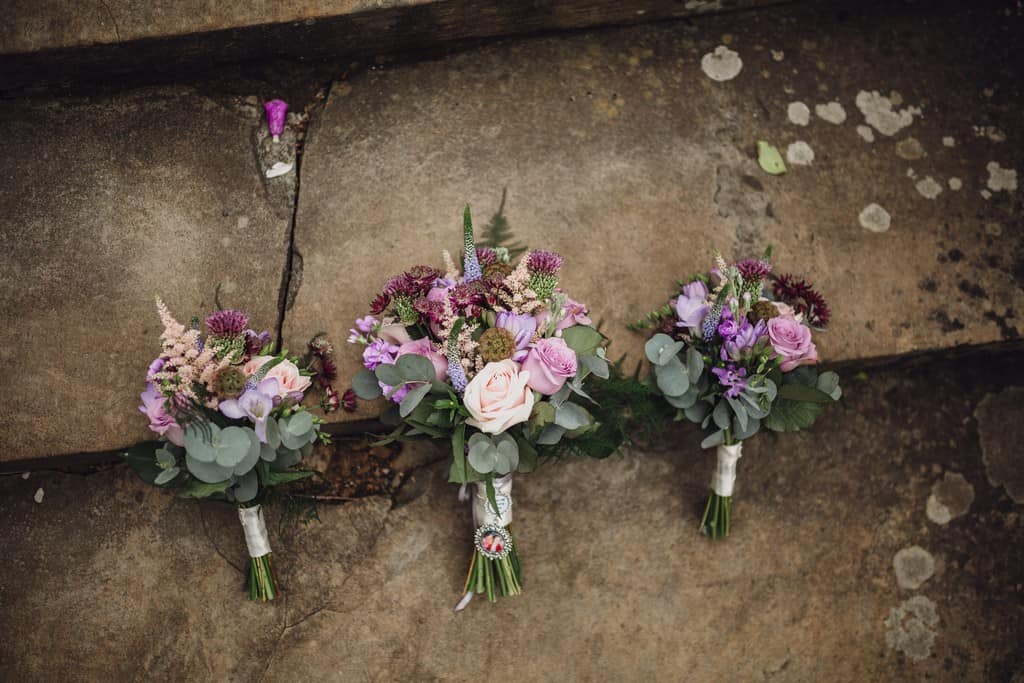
<point>550,363</point>
<point>290,381</point>
<point>787,311</point>
<point>573,313</point>
<point>792,343</point>
<point>424,347</point>
<point>498,397</point>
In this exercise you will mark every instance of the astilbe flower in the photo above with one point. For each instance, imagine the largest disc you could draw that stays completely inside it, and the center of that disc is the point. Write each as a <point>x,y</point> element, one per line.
<point>227,323</point>
<point>802,296</point>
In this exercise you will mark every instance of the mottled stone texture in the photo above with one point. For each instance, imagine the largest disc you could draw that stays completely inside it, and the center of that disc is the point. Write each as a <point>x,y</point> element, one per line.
<point>109,580</point>
<point>105,204</point>
<point>618,152</point>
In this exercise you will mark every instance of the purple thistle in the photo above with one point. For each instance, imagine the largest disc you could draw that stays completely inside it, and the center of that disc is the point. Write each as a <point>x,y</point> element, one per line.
<point>471,271</point>
<point>544,262</point>
<point>227,323</point>
<point>276,112</point>
<point>753,269</point>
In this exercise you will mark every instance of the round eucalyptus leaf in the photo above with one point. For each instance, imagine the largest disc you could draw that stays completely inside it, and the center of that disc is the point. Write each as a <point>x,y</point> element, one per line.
<point>247,487</point>
<point>366,386</point>
<point>299,423</point>
<point>672,378</point>
<point>306,450</point>
<point>252,456</point>
<point>206,472</point>
<point>482,456</point>
<point>654,346</point>
<point>198,441</point>
<point>232,446</point>
<point>164,458</point>
<point>721,415</point>
<point>273,433</point>
<point>166,475</point>
<point>507,454</point>
<point>267,453</point>
<point>286,457</point>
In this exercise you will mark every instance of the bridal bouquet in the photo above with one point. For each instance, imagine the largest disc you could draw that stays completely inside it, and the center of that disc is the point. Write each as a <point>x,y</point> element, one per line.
<point>231,424</point>
<point>734,352</point>
<point>498,360</point>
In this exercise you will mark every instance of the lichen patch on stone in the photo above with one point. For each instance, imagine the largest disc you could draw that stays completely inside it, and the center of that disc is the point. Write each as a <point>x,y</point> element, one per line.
<point>798,113</point>
<point>875,218</point>
<point>948,141</point>
<point>914,565</point>
<point>1001,178</point>
<point>879,113</point>
<point>910,628</point>
<point>799,153</point>
<point>866,133</point>
<point>928,188</point>
<point>721,65</point>
<point>832,112</point>
<point>909,149</point>
<point>1001,431</point>
<point>950,498</point>
<point>955,184</point>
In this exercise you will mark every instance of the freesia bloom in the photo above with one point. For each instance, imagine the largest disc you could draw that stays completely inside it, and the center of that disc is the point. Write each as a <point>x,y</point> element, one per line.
<point>377,353</point>
<point>255,404</point>
<point>424,347</point>
<point>691,307</point>
<point>740,344</point>
<point>291,382</point>
<point>498,397</point>
<point>159,420</point>
<point>523,327</point>
<point>732,378</point>
<point>550,363</point>
<point>792,343</point>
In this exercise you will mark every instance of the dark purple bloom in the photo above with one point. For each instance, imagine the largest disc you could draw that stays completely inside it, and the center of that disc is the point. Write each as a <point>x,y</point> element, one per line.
<point>254,342</point>
<point>544,262</point>
<point>753,269</point>
<point>731,378</point>
<point>486,256</point>
<point>227,323</point>
<point>276,110</point>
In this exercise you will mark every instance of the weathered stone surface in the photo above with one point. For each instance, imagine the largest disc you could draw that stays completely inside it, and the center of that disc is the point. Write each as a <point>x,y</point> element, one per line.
<point>619,583</point>
<point>621,154</point>
<point>106,203</point>
<point>1002,433</point>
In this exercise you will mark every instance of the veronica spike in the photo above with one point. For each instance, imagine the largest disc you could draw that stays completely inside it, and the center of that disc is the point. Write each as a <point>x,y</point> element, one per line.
<point>471,266</point>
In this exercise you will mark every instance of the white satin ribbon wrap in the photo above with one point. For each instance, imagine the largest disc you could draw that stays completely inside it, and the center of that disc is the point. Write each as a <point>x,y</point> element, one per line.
<point>255,528</point>
<point>483,513</point>
<point>725,471</point>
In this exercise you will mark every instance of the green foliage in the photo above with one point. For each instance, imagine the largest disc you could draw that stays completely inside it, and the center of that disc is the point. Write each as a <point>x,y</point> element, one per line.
<point>498,234</point>
<point>142,458</point>
<point>769,158</point>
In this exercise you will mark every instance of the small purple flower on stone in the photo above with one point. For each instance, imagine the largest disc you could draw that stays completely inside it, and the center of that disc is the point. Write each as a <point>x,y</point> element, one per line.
<point>732,378</point>
<point>522,327</point>
<point>544,262</point>
<point>377,353</point>
<point>255,404</point>
<point>276,112</point>
<point>227,323</point>
<point>753,269</point>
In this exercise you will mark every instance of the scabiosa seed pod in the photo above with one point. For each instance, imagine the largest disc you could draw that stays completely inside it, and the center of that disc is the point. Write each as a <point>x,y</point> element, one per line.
<point>229,382</point>
<point>276,110</point>
<point>496,344</point>
<point>762,310</point>
<point>227,323</point>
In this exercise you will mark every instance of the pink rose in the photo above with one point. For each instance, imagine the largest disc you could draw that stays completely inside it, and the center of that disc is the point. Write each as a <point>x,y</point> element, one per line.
<point>792,342</point>
<point>290,381</point>
<point>550,363</point>
<point>787,311</point>
<point>498,397</point>
<point>394,333</point>
<point>424,347</point>
<point>573,313</point>
<point>160,421</point>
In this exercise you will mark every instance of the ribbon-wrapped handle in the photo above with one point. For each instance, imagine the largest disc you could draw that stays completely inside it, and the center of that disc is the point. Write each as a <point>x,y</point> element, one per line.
<point>483,513</point>
<point>724,478</point>
<point>255,528</point>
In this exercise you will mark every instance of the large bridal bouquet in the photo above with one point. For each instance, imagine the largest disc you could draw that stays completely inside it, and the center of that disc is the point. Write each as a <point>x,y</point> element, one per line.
<point>231,425</point>
<point>498,360</point>
<point>734,352</point>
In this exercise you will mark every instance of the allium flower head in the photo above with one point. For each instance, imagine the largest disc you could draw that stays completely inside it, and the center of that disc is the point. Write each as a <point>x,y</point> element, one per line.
<point>544,262</point>
<point>753,269</point>
<point>802,296</point>
<point>227,323</point>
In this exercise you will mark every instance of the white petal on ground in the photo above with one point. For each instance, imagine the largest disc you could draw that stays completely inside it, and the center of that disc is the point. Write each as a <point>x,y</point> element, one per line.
<point>280,168</point>
<point>721,65</point>
<point>800,153</point>
<point>875,218</point>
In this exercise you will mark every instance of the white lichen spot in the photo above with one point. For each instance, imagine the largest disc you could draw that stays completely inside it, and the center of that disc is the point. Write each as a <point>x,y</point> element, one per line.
<point>928,188</point>
<point>911,173</point>
<point>778,55</point>
<point>910,628</point>
<point>800,153</point>
<point>875,218</point>
<point>832,112</point>
<point>798,113</point>
<point>866,133</point>
<point>721,65</point>
<point>1001,178</point>
<point>994,229</point>
<point>986,194</point>
<point>990,132</point>
<point>879,113</point>
<point>278,169</point>
<point>703,5</point>
<point>39,496</point>
<point>26,475</point>
<point>950,498</point>
<point>909,149</point>
<point>955,184</point>
<point>914,566</point>
<point>948,141</point>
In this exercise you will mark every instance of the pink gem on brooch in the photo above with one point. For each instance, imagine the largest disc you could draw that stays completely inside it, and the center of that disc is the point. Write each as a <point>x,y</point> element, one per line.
<point>493,541</point>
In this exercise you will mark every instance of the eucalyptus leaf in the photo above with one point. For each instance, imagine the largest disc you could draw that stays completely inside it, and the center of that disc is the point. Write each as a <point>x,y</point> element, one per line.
<point>507,454</point>
<point>199,489</point>
<point>803,393</point>
<point>653,347</point>
<point>740,432</point>
<point>415,368</point>
<point>273,433</point>
<point>299,423</point>
<point>597,365</point>
<point>164,458</point>
<point>739,411</point>
<point>482,455</point>
<point>582,339</point>
<point>697,412</point>
<point>389,375</point>
<point>267,453</point>
<point>686,400</point>
<point>166,475</point>
<point>550,435</point>
<point>571,416</point>
<point>694,364</point>
<point>252,456</point>
<point>287,457</point>
<point>366,386</point>
<point>413,398</point>
<point>207,472</point>
<point>721,415</point>
<point>828,382</point>
<point>247,487</point>
<point>792,416</point>
<point>672,378</point>
<point>142,458</point>
<point>527,456</point>
<point>713,439</point>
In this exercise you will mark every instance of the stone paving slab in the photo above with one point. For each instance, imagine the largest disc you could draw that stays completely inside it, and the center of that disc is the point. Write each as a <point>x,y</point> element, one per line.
<point>620,153</point>
<point>106,203</point>
<point>108,579</point>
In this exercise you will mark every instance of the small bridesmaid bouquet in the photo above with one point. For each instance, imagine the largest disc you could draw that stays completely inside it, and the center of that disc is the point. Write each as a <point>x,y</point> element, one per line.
<point>734,352</point>
<point>229,414</point>
<point>496,359</point>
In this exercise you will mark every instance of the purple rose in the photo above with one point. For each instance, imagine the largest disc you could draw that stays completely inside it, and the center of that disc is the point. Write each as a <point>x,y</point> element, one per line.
<point>792,343</point>
<point>522,327</point>
<point>550,363</point>
<point>691,307</point>
<point>153,407</point>
<point>379,352</point>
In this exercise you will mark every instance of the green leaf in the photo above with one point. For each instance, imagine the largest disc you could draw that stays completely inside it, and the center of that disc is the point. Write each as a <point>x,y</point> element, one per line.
<point>389,375</point>
<point>828,382</point>
<point>792,416</point>
<point>740,432</point>
<point>491,496</point>
<point>482,455</point>
<point>413,398</point>
<point>142,458</point>
<point>457,471</point>
<point>167,475</point>
<point>415,368</point>
<point>365,384</point>
<point>571,416</point>
<point>653,347</point>
<point>721,415</point>
<point>507,454</point>
<point>686,400</point>
<point>672,378</point>
<point>550,435</point>
<point>198,489</point>
<point>527,455</point>
<point>582,339</point>
<point>694,364</point>
<point>801,392</point>
<point>597,365</point>
<point>713,439</point>
<point>275,478</point>
<point>207,472</point>
<point>769,159</point>
<point>299,423</point>
<point>543,414</point>
<point>246,488</point>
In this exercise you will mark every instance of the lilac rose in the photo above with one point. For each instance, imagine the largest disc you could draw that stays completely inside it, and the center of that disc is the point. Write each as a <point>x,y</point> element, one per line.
<point>550,363</point>
<point>160,421</point>
<point>792,343</point>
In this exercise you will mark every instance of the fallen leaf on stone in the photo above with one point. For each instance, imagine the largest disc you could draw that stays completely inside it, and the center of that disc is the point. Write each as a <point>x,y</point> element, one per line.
<point>769,159</point>
<point>280,168</point>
